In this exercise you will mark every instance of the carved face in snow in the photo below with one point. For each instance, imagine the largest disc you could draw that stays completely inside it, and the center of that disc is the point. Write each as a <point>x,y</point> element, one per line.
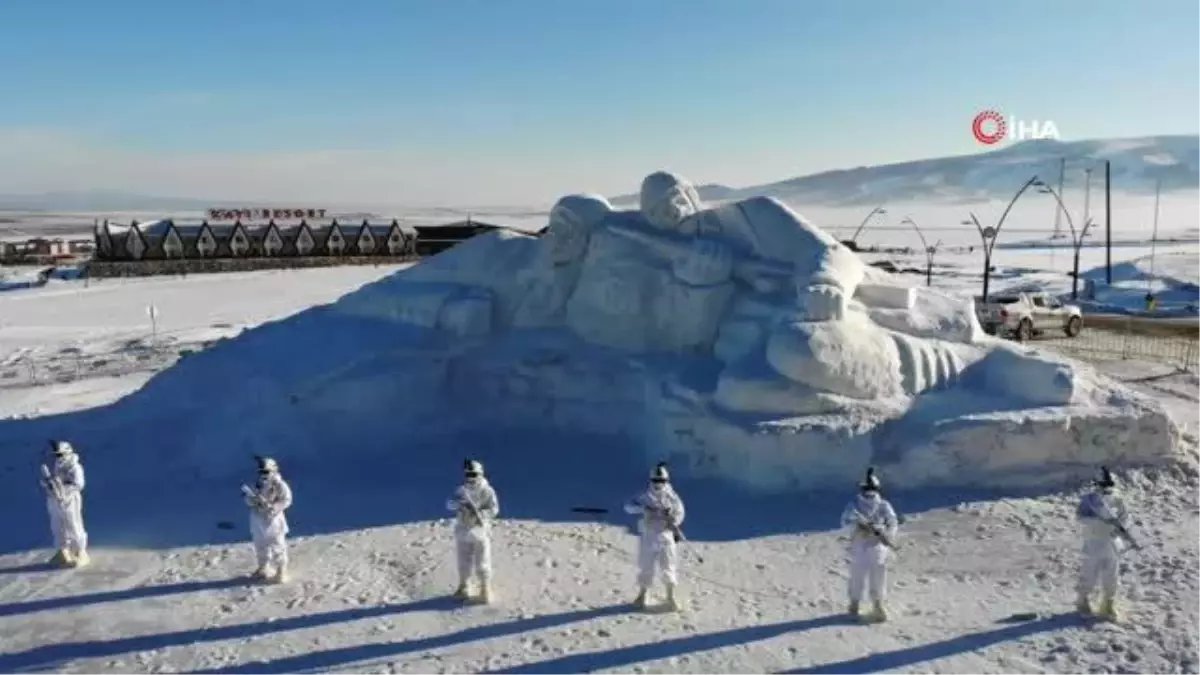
<point>667,199</point>
<point>571,223</point>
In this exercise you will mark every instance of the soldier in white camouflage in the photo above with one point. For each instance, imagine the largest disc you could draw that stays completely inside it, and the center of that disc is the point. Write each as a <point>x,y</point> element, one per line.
<point>662,513</point>
<point>476,506</point>
<point>1103,515</point>
<point>268,501</point>
<point>874,530</point>
<point>63,483</point>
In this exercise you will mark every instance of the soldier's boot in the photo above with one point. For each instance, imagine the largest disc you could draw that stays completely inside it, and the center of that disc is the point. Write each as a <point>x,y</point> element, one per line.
<point>1082,605</point>
<point>61,557</point>
<point>878,612</point>
<point>260,573</point>
<point>852,610</point>
<point>281,575</point>
<point>461,592</point>
<point>485,593</point>
<point>1108,609</point>
<point>80,559</point>
<point>640,600</point>
<point>670,604</point>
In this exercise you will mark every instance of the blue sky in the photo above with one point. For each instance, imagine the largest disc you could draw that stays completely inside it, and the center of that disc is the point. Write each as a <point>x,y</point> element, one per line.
<point>516,101</point>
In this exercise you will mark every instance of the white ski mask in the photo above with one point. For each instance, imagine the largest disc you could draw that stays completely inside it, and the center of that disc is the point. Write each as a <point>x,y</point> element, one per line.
<point>472,472</point>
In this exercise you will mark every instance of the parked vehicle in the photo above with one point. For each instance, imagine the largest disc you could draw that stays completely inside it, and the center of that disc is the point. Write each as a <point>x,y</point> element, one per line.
<point>1024,315</point>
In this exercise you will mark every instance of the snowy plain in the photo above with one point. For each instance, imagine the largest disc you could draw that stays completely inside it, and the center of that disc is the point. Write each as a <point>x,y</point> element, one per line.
<point>764,576</point>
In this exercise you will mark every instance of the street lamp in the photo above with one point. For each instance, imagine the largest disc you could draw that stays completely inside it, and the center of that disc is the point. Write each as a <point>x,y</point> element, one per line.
<point>877,211</point>
<point>1076,236</point>
<point>989,234</point>
<point>930,251</point>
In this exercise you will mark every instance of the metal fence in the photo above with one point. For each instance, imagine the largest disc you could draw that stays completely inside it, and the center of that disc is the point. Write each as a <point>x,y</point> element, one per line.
<point>1113,344</point>
<point>69,367</point>
<point>136,355</point>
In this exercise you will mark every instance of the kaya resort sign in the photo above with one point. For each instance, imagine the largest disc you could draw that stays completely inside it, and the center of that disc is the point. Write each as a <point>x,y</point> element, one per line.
<point>264,214</point>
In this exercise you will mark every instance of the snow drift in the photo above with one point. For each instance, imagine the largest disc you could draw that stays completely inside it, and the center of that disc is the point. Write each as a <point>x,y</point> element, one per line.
<point>740,342</point>
<point>1172,277</point>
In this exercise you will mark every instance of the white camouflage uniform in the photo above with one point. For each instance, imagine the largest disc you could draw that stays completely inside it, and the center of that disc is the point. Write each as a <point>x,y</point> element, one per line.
<point>268,522</point>
<point>66,509</point>
<point>868,554</point>
<point>472,538</point>
<point>1102,544</point>
<point>661,509</point>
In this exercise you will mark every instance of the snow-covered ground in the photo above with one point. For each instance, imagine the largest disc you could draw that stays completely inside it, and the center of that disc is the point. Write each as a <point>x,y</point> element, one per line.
<point>77,330</point>
<point>982,583</point>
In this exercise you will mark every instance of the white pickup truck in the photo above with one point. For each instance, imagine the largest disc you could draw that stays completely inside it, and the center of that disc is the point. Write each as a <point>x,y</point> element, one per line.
<point>1024,315</point>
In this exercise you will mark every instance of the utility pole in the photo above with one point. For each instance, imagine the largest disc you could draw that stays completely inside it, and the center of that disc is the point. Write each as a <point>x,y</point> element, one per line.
<point>1062,177</point>
<point>1154,234</point>
<point>1087,192</point>
<point>1108,221</point>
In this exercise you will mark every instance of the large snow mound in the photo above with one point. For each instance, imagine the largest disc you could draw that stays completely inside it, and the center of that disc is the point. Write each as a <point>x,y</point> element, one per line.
<point>742,343</point>
<point>1173,278</point>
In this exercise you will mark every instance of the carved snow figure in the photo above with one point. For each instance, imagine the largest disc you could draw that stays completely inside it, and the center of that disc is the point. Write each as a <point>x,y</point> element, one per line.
<point>667,200</point>
<point>645,286</point>
<point>552,278</point>
<point>790,362</point>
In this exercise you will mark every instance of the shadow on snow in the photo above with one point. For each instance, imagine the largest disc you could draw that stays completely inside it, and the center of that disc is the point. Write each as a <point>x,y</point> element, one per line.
<point>139,592</point>
<point>52,656</point>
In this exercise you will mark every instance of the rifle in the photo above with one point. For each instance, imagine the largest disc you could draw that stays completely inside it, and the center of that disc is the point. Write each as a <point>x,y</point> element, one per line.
<point>1123,532</point>
<point>1086,510</point>
<point>254,496</point>
<point>676,531</point>
<point>51,483</point>
<point>879,534</point>
<point>472,510</point>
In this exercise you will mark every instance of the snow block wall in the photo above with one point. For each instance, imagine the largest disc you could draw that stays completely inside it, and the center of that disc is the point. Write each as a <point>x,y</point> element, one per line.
<point>740,342</point>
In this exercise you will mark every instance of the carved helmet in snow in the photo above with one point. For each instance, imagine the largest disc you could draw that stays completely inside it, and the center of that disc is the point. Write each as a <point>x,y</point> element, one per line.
<point>266,464</point>
<point>61,448</point>
<point>659,475</point>
<point>870,482</point>
<point>472,469</point>
<point>1105,479</point>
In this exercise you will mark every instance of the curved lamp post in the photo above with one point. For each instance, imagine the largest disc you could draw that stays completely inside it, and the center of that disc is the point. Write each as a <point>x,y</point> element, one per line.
<point>1076,236</point>
<point>877,211</point>
<point>989,234</point>
<point>930,251</point>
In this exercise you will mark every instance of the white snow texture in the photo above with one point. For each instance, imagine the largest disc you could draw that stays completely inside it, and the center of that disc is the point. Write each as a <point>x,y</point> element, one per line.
<point>747,343</point>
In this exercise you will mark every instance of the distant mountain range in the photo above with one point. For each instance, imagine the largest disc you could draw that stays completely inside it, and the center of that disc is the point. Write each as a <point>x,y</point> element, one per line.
<point>1137,164</point>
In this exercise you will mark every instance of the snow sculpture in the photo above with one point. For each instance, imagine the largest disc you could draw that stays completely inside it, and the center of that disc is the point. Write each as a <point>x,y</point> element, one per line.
<point>667,201</point>
<point>552,277</point>
<point>748,340</point>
